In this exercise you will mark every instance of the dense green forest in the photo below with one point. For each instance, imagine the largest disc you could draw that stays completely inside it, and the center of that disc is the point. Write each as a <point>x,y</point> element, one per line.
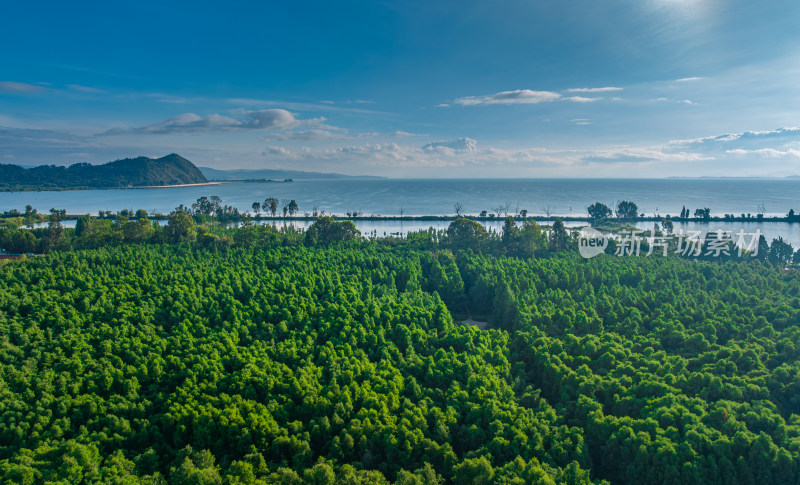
<point>131,172</point>
<point>138,353</point>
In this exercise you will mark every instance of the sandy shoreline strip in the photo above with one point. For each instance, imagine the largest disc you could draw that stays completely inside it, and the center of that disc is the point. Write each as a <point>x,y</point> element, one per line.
<point>203,184</point>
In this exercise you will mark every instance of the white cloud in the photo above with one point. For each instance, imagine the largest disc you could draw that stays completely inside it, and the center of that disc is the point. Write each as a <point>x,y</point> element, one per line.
<point>745,136</point>
<point>266,119</point>
<point>279,152</point>
<point>527,96</point>
<point>688,79</point>
<point>766,152</point>
<point>607,89</point>
<point>520,96</point>
<point>662,99</point>
<point>646,155</point>
<point>581,99</point>
<point>461,144</point>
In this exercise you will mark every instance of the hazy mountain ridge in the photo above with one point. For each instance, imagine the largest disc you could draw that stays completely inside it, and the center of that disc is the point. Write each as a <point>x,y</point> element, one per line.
<point>274,174</point>
<point>172,169</point>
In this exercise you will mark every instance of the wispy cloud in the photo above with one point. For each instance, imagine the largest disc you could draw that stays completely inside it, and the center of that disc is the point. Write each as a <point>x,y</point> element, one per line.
<point>688,79</point>
<point>172,99</point>
<point>17,87</point>
<point>85,89</point>
<point>349,101</point>
<point>520,96</point>
<point>606,89</point>
<point>325,105</point>
<point>618,158</point>
<point>24,137</point>
<point>304,136</point>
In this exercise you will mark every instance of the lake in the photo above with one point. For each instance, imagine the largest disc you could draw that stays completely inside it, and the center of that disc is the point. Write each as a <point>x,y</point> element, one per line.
<point>437,196</point>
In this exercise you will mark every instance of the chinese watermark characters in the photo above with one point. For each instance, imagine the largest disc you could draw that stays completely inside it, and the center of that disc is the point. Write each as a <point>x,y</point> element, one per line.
<point>715,244</point>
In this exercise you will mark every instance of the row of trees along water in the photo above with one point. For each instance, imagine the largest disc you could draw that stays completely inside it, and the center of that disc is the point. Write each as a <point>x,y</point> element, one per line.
<point>626,210</point>
<point>206,226</point>
<point>213,208</point>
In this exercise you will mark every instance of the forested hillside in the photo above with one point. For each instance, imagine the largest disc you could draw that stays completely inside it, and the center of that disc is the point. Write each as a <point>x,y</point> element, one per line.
<point>290,364</point>
<point>131,172</point>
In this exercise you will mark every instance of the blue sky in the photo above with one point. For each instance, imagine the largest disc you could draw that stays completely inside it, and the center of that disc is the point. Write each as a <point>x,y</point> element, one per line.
<point>538,88</point>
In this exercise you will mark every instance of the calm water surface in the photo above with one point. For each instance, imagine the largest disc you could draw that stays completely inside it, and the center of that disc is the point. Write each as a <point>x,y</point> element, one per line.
<point>436,197</point>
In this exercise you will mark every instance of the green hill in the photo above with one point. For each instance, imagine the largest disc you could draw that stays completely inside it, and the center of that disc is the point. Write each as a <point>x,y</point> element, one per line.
<point>130,172</point>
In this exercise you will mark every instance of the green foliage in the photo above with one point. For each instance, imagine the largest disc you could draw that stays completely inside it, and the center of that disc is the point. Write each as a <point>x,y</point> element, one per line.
<point>181,228</point>
<point>673,369</point>
<point>465,233</point>
<point>325,231</point>
<point>473,471</point>
<point>598,210</point>
<point>559,238</point>
<point>158,362</point>
<point>202,354</point>
<point>523,242</point>
<point>780,252</point>
<point>627,210</point>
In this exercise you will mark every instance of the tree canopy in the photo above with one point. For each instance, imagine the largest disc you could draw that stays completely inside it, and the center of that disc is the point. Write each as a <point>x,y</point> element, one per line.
<point>194,353</point>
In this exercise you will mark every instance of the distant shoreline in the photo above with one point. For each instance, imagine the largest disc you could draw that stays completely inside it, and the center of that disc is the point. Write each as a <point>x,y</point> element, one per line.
<point>201,184</point>
<point>64,189</point>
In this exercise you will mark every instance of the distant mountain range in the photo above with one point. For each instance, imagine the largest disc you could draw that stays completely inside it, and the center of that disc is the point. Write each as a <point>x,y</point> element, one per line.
<point>130,172</point>
<point>274,174</point>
